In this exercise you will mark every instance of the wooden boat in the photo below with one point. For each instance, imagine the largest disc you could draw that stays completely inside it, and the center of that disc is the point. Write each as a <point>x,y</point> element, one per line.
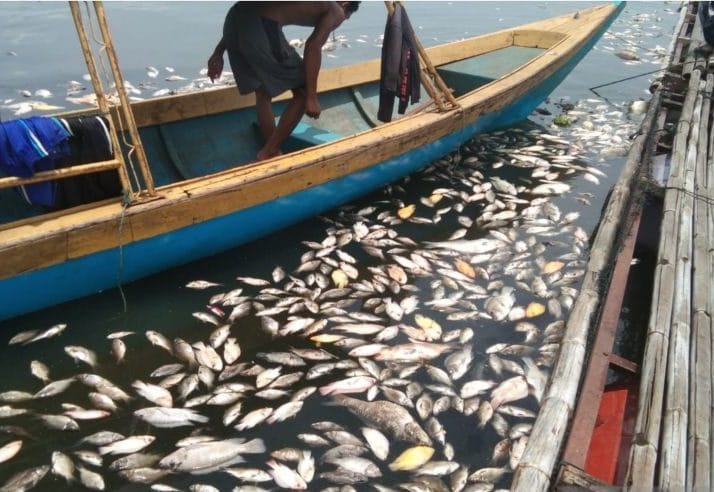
<point>209,197</point>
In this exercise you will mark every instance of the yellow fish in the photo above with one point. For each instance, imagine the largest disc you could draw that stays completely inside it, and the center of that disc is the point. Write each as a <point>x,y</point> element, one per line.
<point>435,198</point>
<point>465,268</point>
<point>412,458</point>
<point>326,338</point>
<point>339,278</point>
<point>431,328</point>
<point>552,266</point>
<point>406,212</point>
<point>534,309</point>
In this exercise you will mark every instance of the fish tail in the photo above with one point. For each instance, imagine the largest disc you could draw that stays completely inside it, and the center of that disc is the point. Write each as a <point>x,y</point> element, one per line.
<point>256,446</point>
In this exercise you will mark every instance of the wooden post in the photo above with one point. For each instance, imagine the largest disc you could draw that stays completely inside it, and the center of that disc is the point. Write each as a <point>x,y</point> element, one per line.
<point>101,97</point>
<point>125,104</point>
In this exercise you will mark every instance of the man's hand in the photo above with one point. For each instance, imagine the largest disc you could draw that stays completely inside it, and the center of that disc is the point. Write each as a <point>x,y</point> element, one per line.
<point>215,66</point>
<point>312,107</point>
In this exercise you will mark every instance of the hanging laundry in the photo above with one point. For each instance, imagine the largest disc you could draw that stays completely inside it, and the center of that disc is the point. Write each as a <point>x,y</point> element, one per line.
<point>90,142</point>
<point>35,144</point>
<point>399,76</point>
<point>31,145</point>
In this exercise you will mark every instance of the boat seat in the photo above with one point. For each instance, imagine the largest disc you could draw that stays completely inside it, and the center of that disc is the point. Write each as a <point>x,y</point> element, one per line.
<point>305,135</point>
<point>465,75</point>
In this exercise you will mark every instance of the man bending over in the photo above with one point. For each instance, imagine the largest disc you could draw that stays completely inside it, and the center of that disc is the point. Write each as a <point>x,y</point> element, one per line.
<point>263,61</point>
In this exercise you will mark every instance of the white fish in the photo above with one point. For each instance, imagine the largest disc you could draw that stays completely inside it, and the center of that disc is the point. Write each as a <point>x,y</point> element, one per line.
<point>476,246</point>
<point>155,394</point>
<point>62,466</point>
<point>170,417</point>
<point>206,457</point>
<point>285,411</point>
<point>550,189</point>
<point>286,477</point>
<point>9,450</point>
<point>50,332</point>
<point>201,284</point>
<point>254,418</point>
<point>356,384</point>
<point>128,445</point>
<point>378,442</point>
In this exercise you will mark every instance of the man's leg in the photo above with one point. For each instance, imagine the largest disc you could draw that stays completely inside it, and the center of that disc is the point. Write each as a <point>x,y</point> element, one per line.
<point>264,108</point>
<point>288,121</point>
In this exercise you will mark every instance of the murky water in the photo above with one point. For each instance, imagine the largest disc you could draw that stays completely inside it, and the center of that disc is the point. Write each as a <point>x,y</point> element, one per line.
<point>454,199</point>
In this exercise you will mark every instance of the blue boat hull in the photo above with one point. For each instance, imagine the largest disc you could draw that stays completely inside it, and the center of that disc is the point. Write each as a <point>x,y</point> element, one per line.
<point>93,273</point>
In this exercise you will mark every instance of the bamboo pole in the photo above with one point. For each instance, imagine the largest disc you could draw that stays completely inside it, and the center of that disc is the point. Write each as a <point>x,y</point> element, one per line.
<point>643,453</point>
<point>536,466</point>
<point>66,172</point>
<point>673,451</point>
<point>691,60</point>
<point>700,390</point>
<point>125,104</point>
<point>101,97</point>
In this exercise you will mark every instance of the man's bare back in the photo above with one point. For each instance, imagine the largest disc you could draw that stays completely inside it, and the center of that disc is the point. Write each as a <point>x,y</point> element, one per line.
<point>301,13</point>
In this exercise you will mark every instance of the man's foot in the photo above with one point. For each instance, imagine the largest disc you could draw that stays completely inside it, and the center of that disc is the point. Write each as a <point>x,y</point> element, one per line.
<point>268,154</point>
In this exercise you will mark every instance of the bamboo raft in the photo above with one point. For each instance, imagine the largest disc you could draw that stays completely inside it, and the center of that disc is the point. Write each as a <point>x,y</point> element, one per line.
<point>670,444</point>
<point>671,448</point>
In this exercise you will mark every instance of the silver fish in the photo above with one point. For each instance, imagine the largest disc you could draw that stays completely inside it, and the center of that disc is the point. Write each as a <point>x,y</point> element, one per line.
<point>170,417</point>
<point>209,456</point>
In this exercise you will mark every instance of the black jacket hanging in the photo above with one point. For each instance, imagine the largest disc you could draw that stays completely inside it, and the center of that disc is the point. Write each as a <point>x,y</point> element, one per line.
<point>399,76</point>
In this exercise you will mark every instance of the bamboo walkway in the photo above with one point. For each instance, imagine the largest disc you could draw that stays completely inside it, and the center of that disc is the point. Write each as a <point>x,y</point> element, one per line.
<point>671,448</point>
<point>671,442</point>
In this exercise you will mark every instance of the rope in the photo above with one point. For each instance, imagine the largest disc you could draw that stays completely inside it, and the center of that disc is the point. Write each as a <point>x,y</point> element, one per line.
<point>126,201</point>
<point>626,79</point>
<point>105,74</point>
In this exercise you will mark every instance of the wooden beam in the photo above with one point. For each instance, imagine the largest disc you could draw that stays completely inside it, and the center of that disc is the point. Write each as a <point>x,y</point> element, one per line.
<point>66,172</point>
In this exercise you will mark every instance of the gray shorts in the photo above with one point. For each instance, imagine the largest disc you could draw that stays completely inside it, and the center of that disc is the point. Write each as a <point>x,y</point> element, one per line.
<point>259,54</point>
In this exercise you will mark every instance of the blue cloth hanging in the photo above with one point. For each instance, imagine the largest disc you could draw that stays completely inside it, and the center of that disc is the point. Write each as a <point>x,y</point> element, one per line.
<point>31,145</point>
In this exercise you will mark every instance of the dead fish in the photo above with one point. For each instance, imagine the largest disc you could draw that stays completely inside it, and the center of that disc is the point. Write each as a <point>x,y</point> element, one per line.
<point>54,388</point>
<point>50,332</point>
<point>58,422</point>
<point>159,340</point>
<point>9,450</point>
<point>201,284</point>
<point>206,457</point>
<point>512,389</point>
<point>26,479</point>
<point>23,337</point>
<point>254,418</point>
<point>62,466</point>
<point>357,384</point>
<point>170,417</point>
<point>286,477</point>
<point>255,282</point>
<point>118,350</point>
<point>40,371</point>
<point>128,445</point>
<point>476,246</point>
<point>90,479</point>
<point>155,394</point>
<point>386,416</point>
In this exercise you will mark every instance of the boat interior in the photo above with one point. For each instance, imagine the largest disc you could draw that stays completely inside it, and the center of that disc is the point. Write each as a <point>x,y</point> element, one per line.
<point>193,135</point>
